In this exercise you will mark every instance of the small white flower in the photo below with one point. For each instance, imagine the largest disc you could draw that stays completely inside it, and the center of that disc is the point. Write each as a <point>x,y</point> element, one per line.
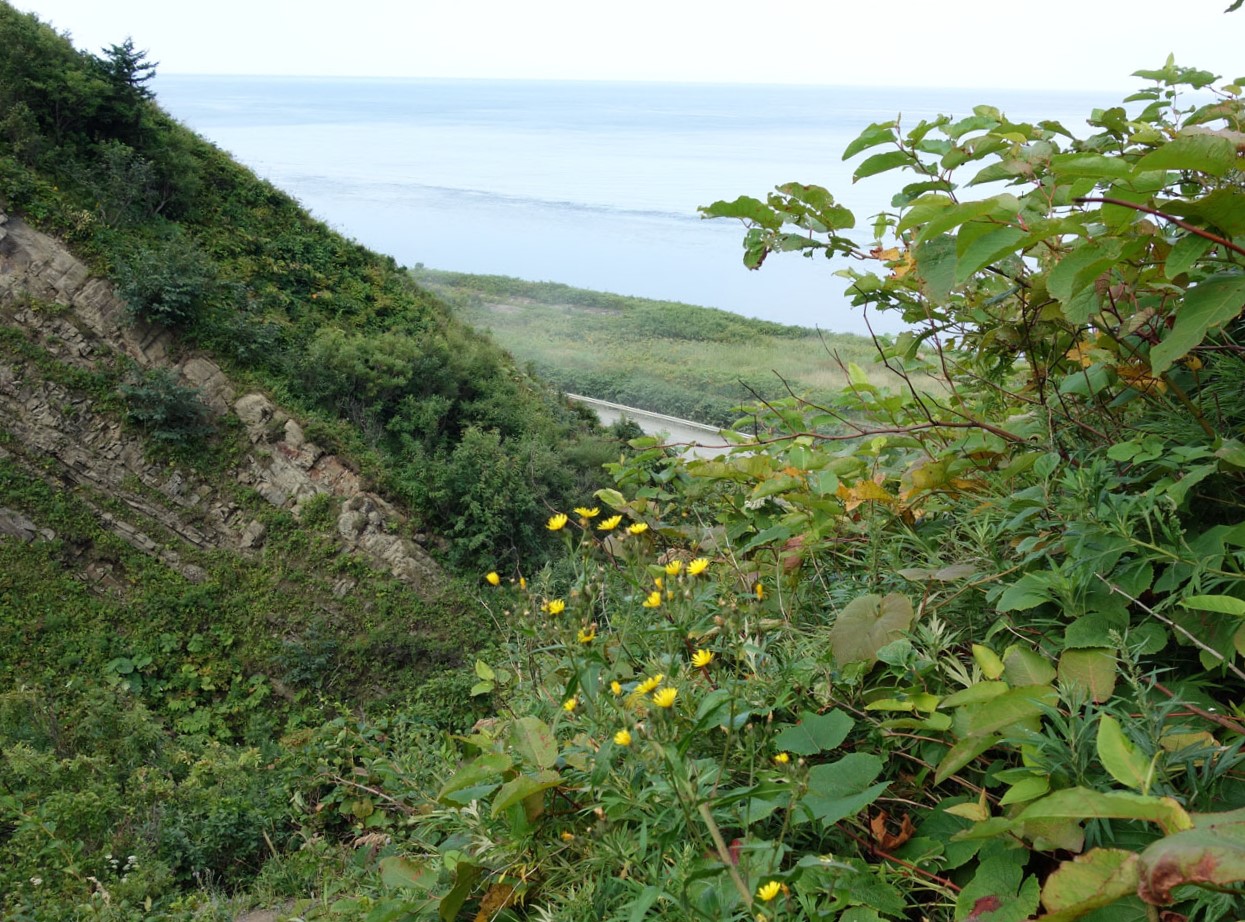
<point>37,881</point>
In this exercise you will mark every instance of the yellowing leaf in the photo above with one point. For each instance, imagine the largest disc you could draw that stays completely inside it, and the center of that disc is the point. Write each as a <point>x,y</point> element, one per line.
<point>864,491</point>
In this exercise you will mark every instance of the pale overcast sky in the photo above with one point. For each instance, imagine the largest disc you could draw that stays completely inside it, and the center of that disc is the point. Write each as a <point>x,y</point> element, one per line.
<point>1051,44</point>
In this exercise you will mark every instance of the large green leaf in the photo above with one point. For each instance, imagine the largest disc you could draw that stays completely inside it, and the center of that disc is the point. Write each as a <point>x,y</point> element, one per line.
<point>843,788</point>
<point>1120,756</point>
<point>485,768</point>
<point>523,787</point>
<point>747,208</point>
<point>814,733</point>
<point>1211,304</point>
<point>1205,152</point>
<point>1092,671</point>
<point>534,741</point>
<point>1085,804</point>
<point>1090,881</point>
<point>880,163</point>
<point>406,874</point>
<point>1213,852</point>
<point>867,624</point>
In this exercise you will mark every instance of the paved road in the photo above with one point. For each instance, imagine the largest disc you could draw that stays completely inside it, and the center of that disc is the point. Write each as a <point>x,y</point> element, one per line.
<point>705,441</point>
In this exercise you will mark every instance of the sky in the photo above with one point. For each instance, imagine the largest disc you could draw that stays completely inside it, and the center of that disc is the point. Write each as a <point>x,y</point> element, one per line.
<point>1051,44</point>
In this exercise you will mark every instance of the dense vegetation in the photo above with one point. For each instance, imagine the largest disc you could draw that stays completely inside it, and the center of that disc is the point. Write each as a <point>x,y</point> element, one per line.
<point>657,355</point>
<point>975,656</point>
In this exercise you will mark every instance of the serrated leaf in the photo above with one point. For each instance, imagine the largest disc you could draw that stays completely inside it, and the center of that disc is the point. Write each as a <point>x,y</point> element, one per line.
<point>814,733</point>
<point>1211,304</point>
<point>1121,757</point>
<point>867,624</point>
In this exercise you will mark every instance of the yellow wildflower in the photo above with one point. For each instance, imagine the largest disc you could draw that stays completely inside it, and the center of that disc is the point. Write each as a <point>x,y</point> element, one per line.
<point>609,524</point>
<point>522,583</point>
<point>767,892</point>
<point>616,687</point>
<point>653,600</point>
<point>664,697</point>
<point>657,581</point>
<point>673,567</point>
<point>697,566</point>
<point>556,522</point>
<point>782,759</point>
<point>702,658</point>
<point>570,704</point>
<point>585,512</point>
<point>638,528</point>
<point>649,684</point>
<point>760,591</point>
<point>622,738</point>
<point>589,635</point>
<point>492,578</point>
<point>555,606</point>
<point>567,836</point>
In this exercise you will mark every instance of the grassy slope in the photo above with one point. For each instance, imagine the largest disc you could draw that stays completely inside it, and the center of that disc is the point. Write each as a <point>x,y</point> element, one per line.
<point>693,362</point>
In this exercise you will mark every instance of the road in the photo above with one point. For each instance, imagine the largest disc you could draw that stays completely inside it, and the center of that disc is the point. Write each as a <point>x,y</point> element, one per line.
<point>704,440</point>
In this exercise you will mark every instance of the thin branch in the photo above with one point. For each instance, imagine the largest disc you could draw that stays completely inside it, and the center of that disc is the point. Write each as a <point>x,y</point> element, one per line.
<point>1191,228</point>
<point>1232,667</point>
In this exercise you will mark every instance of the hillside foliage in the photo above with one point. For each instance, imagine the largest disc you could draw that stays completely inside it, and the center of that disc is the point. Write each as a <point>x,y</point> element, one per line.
<point>971,652</point>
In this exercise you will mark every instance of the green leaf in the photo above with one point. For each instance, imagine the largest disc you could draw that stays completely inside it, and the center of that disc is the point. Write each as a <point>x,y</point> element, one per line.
<point>988,661</point>
<point>879,133</point>
<point>1121,757</point>
<point>484,768</point>
<point>1085,804</point>
<point>520,788</point>
<point>1079,268</point>
<point>1211,304</point>
<point>747,208</point>
<point>1207,153</point>
<point>1015,707</point>
<point>465,876</point>
<point>986,249</point>
<point>1186,251</point>
<point>1097,166</point>
<point>1090,881</point>
<point>1023,666</point>
<point>1091,671</point>
<point>534,741</point>
<point>935,261</point>
<point>843,788</point>
<point>1213,852</point>
<point>1223,604</point>
<point>814,733</point>
<point>880,163</point>
<point>1030,591</point>
<point>867,624</point>
<point>998,892</point>
<point>396,871</point>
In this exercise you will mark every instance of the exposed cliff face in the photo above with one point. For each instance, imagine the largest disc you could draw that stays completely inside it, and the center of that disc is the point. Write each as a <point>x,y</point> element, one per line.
<point>51,426</point>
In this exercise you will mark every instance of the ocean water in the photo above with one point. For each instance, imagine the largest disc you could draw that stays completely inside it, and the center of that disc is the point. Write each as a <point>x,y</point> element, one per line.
<point>591,184</point>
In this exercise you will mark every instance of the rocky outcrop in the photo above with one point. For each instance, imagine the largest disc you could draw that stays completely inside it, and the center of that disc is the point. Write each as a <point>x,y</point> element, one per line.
<point>80,321</point>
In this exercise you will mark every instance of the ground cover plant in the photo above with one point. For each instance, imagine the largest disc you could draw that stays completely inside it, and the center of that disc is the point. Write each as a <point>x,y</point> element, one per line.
<point>977,657</point>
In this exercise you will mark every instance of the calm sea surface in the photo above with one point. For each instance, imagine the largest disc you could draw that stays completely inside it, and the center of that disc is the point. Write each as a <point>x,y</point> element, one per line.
<point>591,184</point>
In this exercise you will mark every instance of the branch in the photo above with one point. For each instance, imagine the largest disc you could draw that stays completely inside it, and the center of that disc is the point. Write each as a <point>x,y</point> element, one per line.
<point>1191,228</point>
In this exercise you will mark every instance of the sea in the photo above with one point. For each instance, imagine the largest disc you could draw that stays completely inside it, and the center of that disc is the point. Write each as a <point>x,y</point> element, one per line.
<point>591,184</point>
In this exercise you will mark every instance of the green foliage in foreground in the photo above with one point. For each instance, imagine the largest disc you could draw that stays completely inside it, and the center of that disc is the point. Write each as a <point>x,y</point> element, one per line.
<point>657,355</point>
<point>981,661</point>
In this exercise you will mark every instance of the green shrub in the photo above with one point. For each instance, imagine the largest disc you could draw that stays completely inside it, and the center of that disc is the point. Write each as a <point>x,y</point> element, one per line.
<point>166,410</point>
